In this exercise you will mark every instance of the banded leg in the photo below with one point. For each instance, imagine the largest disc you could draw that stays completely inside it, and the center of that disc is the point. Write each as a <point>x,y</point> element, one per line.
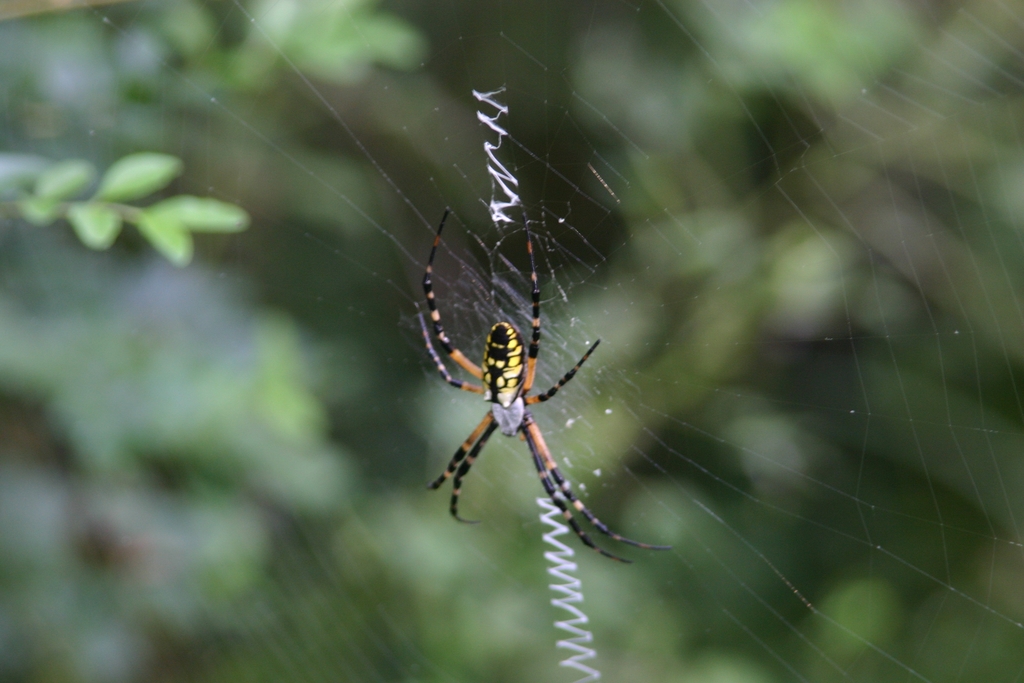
<point>464,470</point>
<point>457,383</point>
<point>531,361</point>
<point>463,449</point>
<point>552,492</point>
<point>428,289</point>
<point>566,490</point>
<point>539,398</point>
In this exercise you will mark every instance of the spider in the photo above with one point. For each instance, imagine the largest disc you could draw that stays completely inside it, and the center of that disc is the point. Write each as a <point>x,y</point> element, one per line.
<point>506,382</point>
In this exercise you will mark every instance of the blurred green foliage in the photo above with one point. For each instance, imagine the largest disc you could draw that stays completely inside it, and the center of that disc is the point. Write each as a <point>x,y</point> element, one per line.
<point>807,286</point>
<point>173,425</point>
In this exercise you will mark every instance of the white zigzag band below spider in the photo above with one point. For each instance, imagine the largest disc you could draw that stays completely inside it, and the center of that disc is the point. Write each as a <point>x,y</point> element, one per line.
<point>506,383</point>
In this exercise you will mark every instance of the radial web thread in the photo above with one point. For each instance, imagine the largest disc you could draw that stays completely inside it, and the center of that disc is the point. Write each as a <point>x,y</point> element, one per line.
<point>571,594</point>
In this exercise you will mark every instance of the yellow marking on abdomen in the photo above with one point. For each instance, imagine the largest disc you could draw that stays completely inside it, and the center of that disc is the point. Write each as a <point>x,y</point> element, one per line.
<point>503,364</point>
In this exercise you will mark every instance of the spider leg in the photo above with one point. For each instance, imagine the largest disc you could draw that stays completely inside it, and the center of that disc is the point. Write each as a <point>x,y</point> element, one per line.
<point>435,316</point>
<point>533,432</point>
<point>464,470</point>
<point>531,362</point>
<point>557,500</point>
<point>463,449</point>
<point>457,383</point>
<point>565,379</point>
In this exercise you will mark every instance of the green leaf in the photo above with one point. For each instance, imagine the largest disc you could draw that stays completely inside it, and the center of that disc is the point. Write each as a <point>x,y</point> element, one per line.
<point>203,214</point>
<point>168,235</point>
<point>97,225</point>
<point>39,211</point>
<point>138,175</point>
<point>64,179</point>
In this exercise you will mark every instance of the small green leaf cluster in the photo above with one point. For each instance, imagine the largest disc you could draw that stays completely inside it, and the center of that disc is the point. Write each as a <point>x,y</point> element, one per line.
<point>168,224</point>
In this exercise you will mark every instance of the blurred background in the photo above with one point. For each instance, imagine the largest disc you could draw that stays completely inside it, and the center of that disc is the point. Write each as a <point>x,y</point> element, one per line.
<point>794,224</point>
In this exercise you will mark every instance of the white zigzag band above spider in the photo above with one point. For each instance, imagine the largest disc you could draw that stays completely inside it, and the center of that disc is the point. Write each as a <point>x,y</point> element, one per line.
<point>506,382</point>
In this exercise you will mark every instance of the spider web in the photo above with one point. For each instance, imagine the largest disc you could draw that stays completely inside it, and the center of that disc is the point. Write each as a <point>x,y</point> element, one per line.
<point>796,228</point>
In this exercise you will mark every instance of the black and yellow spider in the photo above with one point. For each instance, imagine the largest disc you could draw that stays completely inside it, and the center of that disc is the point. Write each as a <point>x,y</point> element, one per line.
<point>506,388</point>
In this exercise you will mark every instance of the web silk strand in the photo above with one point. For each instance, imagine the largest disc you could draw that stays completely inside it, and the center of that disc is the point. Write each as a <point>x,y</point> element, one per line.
<point>571,594</point>
<point>501,178</point>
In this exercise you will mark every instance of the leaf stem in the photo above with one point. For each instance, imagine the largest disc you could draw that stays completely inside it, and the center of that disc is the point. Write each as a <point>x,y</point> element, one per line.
<point>128,213</point>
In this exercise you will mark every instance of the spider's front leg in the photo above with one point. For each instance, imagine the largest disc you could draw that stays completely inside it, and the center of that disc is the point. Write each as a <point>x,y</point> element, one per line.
<point>463,450</point>
<point>548,470</point>
<point>466,455</point>
<point>552,492</point>
<point>464,470</point>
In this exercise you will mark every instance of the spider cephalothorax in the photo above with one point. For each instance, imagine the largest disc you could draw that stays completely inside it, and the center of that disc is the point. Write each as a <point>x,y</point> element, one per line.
<point>506,383</point>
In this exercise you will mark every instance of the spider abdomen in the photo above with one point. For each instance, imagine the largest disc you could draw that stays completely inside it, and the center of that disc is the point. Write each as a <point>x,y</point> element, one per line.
<point>503,364</point>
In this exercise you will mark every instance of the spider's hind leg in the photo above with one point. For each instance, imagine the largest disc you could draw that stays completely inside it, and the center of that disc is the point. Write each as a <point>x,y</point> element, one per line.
<point>539,398</point>
<point>439,364</point>
<point>435,315</point>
